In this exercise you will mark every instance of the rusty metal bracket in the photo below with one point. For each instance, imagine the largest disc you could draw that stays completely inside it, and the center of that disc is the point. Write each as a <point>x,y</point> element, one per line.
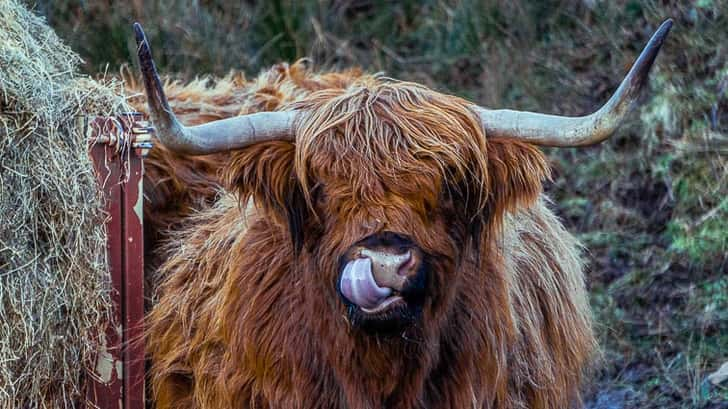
<point>121,132</point>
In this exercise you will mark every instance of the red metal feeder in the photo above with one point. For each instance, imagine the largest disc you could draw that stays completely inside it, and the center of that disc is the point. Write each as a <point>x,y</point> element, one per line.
<point>117,146</point>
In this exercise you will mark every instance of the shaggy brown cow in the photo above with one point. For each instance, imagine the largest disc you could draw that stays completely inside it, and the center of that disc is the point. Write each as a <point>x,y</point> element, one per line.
<point>377,244</point>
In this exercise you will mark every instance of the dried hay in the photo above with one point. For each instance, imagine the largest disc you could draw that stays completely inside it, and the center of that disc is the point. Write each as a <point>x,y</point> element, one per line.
<point>53,282</point>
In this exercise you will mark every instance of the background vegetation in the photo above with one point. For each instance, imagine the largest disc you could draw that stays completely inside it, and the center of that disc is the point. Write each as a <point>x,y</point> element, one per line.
<point>650,205</point>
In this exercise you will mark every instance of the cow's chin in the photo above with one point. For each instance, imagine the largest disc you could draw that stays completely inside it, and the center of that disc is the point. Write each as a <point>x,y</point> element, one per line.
<point>392,317</point>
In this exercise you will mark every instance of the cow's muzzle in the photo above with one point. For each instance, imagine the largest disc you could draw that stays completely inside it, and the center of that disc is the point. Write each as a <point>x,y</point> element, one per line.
<point>381,272</point>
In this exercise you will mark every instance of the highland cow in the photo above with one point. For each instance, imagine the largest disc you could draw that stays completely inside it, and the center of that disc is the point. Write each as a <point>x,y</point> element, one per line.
<point>374,244</point>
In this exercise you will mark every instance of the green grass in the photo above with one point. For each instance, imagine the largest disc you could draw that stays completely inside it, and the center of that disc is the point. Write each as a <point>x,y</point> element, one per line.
<point>650,204</point>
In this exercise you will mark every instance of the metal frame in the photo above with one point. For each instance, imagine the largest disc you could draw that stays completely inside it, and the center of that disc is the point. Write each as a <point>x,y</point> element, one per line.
<point>117,146</point>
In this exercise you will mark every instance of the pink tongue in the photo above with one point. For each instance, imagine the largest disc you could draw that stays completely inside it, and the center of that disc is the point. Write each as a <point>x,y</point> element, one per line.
<point>358,285</point>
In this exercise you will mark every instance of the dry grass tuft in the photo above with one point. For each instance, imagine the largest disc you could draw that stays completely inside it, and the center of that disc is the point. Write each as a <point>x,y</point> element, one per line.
<point>53,282</point>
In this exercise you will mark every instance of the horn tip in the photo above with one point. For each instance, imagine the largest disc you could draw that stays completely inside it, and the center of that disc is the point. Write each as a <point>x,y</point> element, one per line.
<point>152,83</point>
<point>139,33</point>
<point>646,59</point>
<point>663,30</point>
<point>659,37</point>
<point>143,51</point>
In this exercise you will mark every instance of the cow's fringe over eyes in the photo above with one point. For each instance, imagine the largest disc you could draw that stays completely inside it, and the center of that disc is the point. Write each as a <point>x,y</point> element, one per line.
<point>395,128</point>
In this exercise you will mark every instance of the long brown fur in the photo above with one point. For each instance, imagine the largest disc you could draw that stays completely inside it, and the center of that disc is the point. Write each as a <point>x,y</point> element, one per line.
<point>248,314</point>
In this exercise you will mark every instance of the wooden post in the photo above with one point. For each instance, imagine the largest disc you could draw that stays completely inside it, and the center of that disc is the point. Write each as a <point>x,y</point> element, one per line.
<point>117,145</point>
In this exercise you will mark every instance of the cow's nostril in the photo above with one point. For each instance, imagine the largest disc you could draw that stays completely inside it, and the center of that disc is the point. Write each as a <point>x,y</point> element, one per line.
<point>408,267</point>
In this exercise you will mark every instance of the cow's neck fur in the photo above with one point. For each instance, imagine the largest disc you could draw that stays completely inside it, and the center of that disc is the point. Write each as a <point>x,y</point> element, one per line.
<point>236,335</point>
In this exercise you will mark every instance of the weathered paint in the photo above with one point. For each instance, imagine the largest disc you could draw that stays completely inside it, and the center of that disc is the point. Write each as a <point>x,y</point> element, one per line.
<point>117,378</point>
<point>105,362</point>
<point>139,205</point>
<point>119,369</point>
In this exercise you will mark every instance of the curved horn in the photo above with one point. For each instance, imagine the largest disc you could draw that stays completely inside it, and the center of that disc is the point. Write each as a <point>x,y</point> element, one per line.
<point>217,136</point>
<point>553,130</point>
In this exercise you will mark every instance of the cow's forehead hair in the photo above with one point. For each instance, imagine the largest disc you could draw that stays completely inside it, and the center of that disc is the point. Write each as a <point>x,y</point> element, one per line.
<point>388,128</point>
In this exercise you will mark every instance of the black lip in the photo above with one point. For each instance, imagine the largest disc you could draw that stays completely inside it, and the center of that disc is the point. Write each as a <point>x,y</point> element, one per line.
<point>392,321</point>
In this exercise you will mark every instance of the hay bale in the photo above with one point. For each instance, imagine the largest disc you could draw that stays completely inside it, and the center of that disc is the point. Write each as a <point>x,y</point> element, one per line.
<point>53,280</point>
